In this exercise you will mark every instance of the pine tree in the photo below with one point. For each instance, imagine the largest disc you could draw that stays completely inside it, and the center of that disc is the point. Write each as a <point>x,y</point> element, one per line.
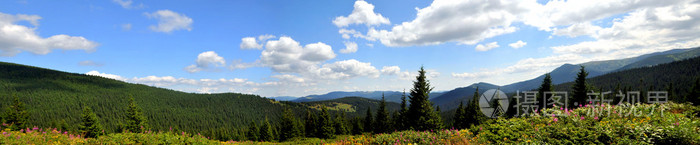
<point>90,125</point>
<point>357,126</point>
<point>545,87</point>
<point>580,88</point>
<point>288,124</point>
<point>253,132</point>
<point>472,113</point>
<point>694,94</point>
<point>17,115</point>
<point>266,131</point>
<point>393,122</point>
<point>310,124</point>
<point>367,124</point>
<point>381,121</point>
<point>135,121</point>
<point>326,122</point>
<point>339,124</point>
<point>402,120</point>
<point>459,120</point>
<point>421,112</point>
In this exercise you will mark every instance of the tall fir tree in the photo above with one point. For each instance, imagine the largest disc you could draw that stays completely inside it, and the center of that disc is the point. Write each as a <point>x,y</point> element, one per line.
<point>580,88</point>
<point>253,132</point>
<point>459,120</point>
<point>367,123</point>
<point>694,94</point>
<point>310,124</point>
<point>402,120</point>
<point>288,126</point>
<point>546,86</point>
<point>17,115</point>
<point>472,113</point>
<point>357,126</point>
<point>339,124</point>
<point>326,129</point>
<point>421,112</point>
<point>135,121</point>
<point>90,125</point>
<point>381,121</point>
<point>266,133</point>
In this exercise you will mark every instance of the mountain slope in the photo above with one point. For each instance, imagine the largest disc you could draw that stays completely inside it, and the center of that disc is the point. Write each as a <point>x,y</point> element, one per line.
<point>390,96</point>
<point>567,72</point>
<point>52,97</point>
<point>450,100</point>
<point>356,105</point>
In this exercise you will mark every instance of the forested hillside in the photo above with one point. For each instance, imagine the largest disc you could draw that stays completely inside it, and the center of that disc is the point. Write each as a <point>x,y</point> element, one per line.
<point>55,99</point>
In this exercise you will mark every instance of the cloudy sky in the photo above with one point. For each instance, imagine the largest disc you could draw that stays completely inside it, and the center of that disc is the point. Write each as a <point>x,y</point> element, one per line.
<point>297,48</point>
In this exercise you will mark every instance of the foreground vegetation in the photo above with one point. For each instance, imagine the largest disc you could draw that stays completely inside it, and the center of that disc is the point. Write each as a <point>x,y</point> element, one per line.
<point>656,124</point>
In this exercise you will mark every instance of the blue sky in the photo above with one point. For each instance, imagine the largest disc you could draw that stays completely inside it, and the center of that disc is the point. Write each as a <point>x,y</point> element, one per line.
<point>297,48</point>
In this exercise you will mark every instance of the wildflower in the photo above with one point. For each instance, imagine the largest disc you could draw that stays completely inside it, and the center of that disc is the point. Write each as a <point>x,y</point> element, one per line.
<point>555,119</point>
<point>582,118</point>
<point>595,118</point>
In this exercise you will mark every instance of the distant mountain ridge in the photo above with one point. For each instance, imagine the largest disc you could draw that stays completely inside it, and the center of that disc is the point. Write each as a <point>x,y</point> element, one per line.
<point>390,96</point>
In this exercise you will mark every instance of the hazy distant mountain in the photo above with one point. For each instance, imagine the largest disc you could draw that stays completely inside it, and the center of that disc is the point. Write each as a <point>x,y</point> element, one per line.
<point>450,99</point>
<point>283,98</point>
<point>390,96</point>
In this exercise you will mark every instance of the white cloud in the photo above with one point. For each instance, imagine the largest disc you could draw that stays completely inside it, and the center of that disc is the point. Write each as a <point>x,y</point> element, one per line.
<point>578,29</point>
<point>127,4</point>
<point>643,31</point>
<point>363,13</point>
<point>347,69</point>
<point>126,27</point>
<point>562,13</point>
<point>169,21</point>
<point>204,60</point>
<point>104,75</point>
<point>15,38</point>
<point>89,63</point>
<point>250,43</point>
<point>486,47</point>
<point>287,55</point>
<point>289,78</point>
<point>391,70</point>
<point>465,22</point>
<point>518,44</point>
<point>350,47</point>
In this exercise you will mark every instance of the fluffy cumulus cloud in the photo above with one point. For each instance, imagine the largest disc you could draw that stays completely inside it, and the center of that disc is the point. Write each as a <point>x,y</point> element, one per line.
<point>15,38</point>
<point>518,44</point>
<point>578,29</point>
<point>287,55</point>
<point>253,43</point>
<point>347,69</point>
<point>486,47</point>
<point>183,84</point>
<point>363,13</point>
<point>169,21</point>
<point>465,22</point>
<point>350,47</point>
<point>391,70</point>
<point>205,60</point>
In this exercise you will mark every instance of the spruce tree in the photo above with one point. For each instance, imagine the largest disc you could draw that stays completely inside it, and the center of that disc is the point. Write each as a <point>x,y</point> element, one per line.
<point>357,126</point>
<point>579,88</point>
<point>90,125</point>
<point>402,120</point>
<point>17,115</point>
<point>288,126</point>
<point>381,121</point>
<point>472,113</point>
<point>310,124</point>
<point>421,112</point>
<point>253,132</point>
<point>326,122</point>
<point>266,131</point>
<point>135,121</point>
<point>546,86</point>
<point>694,94</point>
<point>459,120</point>
<point>339,124</point>
<point>367,124</point>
